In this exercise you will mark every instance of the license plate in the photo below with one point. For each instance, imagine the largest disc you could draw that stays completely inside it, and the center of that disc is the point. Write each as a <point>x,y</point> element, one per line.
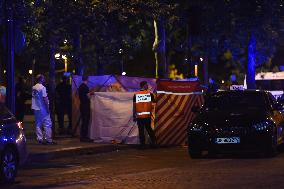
<point>229,140</point>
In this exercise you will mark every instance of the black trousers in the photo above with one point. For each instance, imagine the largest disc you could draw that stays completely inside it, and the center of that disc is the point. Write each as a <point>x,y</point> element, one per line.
<point>61,111</point>
<point>145,123</point>
<point>20,111</point>
<point>85,118</point>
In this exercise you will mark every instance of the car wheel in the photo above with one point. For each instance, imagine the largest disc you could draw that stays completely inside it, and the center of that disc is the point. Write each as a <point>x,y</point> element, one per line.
<point>195,153</point>
<point>271,150</point>
<point>9,165</point>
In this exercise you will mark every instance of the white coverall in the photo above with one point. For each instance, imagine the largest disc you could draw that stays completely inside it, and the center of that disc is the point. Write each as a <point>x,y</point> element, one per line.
<point>42,116</point>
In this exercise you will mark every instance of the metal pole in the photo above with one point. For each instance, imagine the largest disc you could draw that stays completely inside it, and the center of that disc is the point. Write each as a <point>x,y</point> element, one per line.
<point>10,33</point>
<point>122,69</point>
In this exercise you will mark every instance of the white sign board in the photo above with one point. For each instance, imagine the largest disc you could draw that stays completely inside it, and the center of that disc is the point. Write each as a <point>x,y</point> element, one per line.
<point>143,98</point>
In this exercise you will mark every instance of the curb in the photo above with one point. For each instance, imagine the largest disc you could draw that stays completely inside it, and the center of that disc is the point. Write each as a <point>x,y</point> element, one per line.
<point>75,151</point>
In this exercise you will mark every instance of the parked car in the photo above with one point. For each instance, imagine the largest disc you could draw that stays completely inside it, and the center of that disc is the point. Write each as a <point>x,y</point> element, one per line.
<point>13,151</point>
<point>237,121</point>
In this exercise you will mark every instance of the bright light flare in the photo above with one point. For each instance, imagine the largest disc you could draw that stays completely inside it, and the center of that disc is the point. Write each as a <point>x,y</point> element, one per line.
<point>20,125</point>
<point>57,55</point>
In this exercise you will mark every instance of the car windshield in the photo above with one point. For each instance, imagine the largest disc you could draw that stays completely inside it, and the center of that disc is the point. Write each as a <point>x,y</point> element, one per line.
<point>234,101</point>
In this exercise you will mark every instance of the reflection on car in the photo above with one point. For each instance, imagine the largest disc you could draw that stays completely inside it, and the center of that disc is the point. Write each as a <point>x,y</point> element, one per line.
<point>239,121</point>
<point>13,150</point>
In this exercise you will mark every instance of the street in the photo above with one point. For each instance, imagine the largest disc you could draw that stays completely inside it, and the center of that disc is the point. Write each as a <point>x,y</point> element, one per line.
<point>153,168</point>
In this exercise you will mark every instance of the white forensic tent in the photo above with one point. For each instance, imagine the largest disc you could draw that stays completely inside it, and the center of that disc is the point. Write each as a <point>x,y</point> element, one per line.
<point>111,107</point>
<point>112,119</point>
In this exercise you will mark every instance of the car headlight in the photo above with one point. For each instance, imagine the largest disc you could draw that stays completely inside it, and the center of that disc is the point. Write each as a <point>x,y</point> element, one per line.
<point>196,127</point>
<point>262,126</point>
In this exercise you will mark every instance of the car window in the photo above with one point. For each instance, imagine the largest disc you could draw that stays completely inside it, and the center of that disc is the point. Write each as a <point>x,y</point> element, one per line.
<point>272,100</point>
<point>235,101</point>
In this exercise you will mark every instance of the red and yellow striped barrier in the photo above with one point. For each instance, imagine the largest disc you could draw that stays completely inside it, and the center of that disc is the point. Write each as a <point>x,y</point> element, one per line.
<point>173,114</point>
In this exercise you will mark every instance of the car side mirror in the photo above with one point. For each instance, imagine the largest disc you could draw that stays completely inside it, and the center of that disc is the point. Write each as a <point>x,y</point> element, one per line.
<point>195,109</point>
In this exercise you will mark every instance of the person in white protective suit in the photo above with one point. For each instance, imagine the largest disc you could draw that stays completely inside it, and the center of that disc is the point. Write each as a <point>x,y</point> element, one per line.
<point>40,106</point>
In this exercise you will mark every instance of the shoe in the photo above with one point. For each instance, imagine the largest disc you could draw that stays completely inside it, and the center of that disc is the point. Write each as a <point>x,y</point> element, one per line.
<point>40,141</point>
<point>51,143</point>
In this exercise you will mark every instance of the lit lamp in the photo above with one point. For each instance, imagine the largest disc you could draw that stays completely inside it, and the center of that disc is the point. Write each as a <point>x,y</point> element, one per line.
<point>196,67</point>
<point>64,57</point>
<point>57,56</point>
<point>30,72</point>
<point>195,70</point>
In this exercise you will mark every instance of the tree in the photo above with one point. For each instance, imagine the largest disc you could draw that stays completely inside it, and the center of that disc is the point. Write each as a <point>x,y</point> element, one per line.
<point>246,29</point>
<point>157,11</point>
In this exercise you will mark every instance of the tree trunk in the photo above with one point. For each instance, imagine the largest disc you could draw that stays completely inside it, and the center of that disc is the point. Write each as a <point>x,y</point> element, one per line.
<point>205,70</point>
<point>251,63</point>
<point>10,40</point>
<point>51,85</point>
<point>159,48</point>
<point>79,66</point>
<point>100,66</point>
<point>99,58</point>
<point>206,61</point>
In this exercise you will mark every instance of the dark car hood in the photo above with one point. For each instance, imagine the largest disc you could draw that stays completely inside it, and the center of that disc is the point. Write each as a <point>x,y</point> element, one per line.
<point>231,118</point>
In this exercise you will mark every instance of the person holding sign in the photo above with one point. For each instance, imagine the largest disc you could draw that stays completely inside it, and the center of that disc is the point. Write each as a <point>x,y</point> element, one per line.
<point>142,108</point>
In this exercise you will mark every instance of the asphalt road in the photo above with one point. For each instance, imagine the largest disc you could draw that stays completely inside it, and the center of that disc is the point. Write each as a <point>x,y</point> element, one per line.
<point>153,168</point>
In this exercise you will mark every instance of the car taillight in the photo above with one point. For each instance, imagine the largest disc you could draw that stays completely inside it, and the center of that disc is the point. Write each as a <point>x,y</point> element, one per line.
<point>20,125</point>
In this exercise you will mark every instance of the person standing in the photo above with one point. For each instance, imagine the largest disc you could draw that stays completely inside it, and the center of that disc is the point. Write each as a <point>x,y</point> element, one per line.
<point>142,108</point>
<point>84,109</point>
<point>21,97</point>
<point>2,94</point>
<point>212,87</point>
<point>40,105</point>
<point>63,104</point>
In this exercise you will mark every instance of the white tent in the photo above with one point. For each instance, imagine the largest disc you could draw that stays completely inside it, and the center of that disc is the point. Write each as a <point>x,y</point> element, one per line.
<point>112,119</point>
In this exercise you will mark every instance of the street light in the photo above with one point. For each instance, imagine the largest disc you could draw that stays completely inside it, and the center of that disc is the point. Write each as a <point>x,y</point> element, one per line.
<point>120,51</point>
<point>196,70</point>
<point>64,57</point>
<point>121,61</point>
<point>57,56</point>
<point>196,67</point>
